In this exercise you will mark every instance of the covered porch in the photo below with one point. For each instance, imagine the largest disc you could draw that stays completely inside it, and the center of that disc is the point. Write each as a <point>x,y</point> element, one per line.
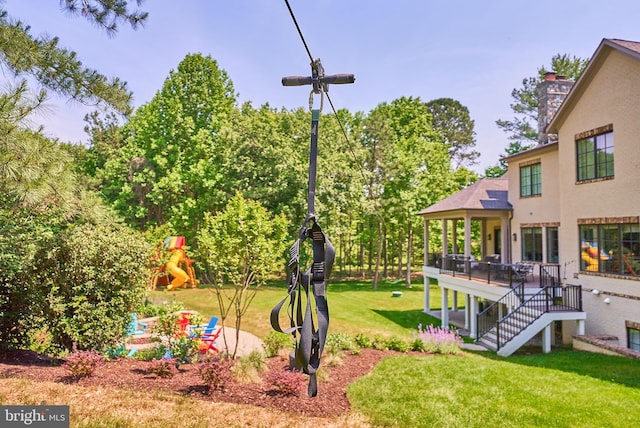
<point>467,237</point>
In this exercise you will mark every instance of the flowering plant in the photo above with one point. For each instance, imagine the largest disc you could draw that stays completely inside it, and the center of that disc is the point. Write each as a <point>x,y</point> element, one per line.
<point>439,340</point>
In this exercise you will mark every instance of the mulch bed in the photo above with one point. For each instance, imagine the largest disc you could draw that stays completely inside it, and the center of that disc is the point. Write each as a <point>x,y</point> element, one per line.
<point>130,373</point>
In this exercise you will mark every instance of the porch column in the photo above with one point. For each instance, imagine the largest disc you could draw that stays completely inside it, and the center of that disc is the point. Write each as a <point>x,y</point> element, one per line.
<point>425,241</point>
<point>546,338</point>
<point>467,235</point>
<point>445,240</point>
<point>454,236</point>
<point>444,317</point>
<point>473,321</point>
<point>580,327</point>
<point>467,309</point>
<point>425,278</point>
<point>505,257</point>
<point>427,303</point>
<point>454,304</point>
<point>484,244</point>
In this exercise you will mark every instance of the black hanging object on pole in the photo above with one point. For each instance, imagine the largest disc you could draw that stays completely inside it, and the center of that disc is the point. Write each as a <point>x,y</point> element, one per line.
<point>313,282</point>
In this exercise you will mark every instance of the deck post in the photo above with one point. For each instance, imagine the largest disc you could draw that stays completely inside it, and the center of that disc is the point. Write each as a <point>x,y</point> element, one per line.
<point>580,327</point>
<point>467,310</point>
<point>427,304</point>
<point>454,304</point>
<point>473,324</point>
<point>546,338</point>
<point>444,318</point>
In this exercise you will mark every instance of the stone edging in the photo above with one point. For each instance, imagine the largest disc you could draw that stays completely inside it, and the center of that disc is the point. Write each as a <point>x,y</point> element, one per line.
<point>603,342</point>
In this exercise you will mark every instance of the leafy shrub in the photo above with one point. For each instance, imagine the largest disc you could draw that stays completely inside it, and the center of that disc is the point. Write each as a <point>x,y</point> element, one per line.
<point>439,339</point>
<point>363,341</point>
<point>340,341</point>
<point>379,343</point>
<point>149,309</point>
<point>82,363</point>
<point>248,368</point>
<point>275,341</point>
<point>91,278</point>
<point>286,381</point>
<point>216,372</point>
<point>397,344</point>
<point>417,345</point>
<point>150,354</point>
<point>164,368</point>
<point>23,233</point>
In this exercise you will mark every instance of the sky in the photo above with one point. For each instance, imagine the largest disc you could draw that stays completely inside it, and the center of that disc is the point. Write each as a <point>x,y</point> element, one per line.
<point>473,51</point>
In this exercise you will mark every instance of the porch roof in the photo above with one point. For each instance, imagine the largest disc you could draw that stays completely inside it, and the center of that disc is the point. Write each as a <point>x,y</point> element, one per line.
<point>489,194</point>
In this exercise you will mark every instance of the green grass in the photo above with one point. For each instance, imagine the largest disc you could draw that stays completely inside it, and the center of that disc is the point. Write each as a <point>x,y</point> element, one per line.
<point>354,307</point>
<point>561,389</point>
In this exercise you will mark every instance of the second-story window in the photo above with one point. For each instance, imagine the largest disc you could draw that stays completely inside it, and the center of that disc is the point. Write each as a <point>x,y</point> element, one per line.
<point>531,180</point>
<point>594,151</point>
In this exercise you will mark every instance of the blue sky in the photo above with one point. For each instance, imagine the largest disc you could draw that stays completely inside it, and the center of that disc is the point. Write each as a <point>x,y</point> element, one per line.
<point>476,52</point>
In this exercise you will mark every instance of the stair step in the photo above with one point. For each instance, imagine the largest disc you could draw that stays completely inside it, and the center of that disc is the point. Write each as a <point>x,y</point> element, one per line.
<point>487,344</point>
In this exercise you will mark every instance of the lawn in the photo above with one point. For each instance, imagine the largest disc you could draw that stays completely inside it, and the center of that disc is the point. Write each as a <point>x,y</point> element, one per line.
<point>474,389</point>
<point>560,389</point>
<point>354,307</point>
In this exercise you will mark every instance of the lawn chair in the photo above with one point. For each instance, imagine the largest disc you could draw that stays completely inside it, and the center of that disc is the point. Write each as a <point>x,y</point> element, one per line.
<point>209,336</point>
<point>135,327</point>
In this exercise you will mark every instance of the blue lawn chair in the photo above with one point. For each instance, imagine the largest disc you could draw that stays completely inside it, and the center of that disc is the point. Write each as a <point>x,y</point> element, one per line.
<point>135,327</point>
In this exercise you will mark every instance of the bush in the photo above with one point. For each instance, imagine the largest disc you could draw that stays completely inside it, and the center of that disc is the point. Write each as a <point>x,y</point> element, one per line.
<point>91,278</point>
<point>275,341</point>
<point>150,354</point>
<point>340,341</point>
<point>379,343</point>
<point>286,382</point>
<point>82,363</point>
<point>216,373</point>
<point>363,341</point>
<point>397,344</point>
<point>439,339</point>
<point>248,368</point>
<point>22,233</point>
<point>417,345</point>
<point>164,368</point>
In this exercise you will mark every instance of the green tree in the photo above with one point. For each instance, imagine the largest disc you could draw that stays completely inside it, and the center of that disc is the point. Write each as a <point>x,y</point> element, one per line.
<point>57,68</point>
<point>409,168</point>
<point>240,247</point>
<point>523,128</point>
<point>454,124</point>
<point>172,166</point>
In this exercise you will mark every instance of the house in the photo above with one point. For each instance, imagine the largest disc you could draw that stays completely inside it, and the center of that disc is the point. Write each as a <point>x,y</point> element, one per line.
<point>557,239</point>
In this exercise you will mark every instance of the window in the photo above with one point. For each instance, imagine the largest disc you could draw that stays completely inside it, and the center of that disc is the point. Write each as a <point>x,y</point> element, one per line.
<point>552,245</point>
<point>595,156</point>
<point>530,180</point>
<point>633,338</point>
<point>610,248</point>
<point>531,244</point>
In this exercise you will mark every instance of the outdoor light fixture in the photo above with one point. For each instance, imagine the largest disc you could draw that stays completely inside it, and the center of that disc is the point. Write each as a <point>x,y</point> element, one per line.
<point>595,291</point>
<point>489,237</point>
<point>515,237</point>
<point>607,300</point>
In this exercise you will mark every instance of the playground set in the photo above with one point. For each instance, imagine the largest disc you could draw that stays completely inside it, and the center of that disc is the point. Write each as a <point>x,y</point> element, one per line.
<point>178,270</point>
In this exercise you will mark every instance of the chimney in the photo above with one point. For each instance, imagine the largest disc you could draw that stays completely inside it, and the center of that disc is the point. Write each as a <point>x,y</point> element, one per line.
<point>551,93</point>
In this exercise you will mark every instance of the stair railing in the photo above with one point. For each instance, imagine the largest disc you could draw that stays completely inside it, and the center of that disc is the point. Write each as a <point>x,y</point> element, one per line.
<point>488,317</point>
<point>547,299</point>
